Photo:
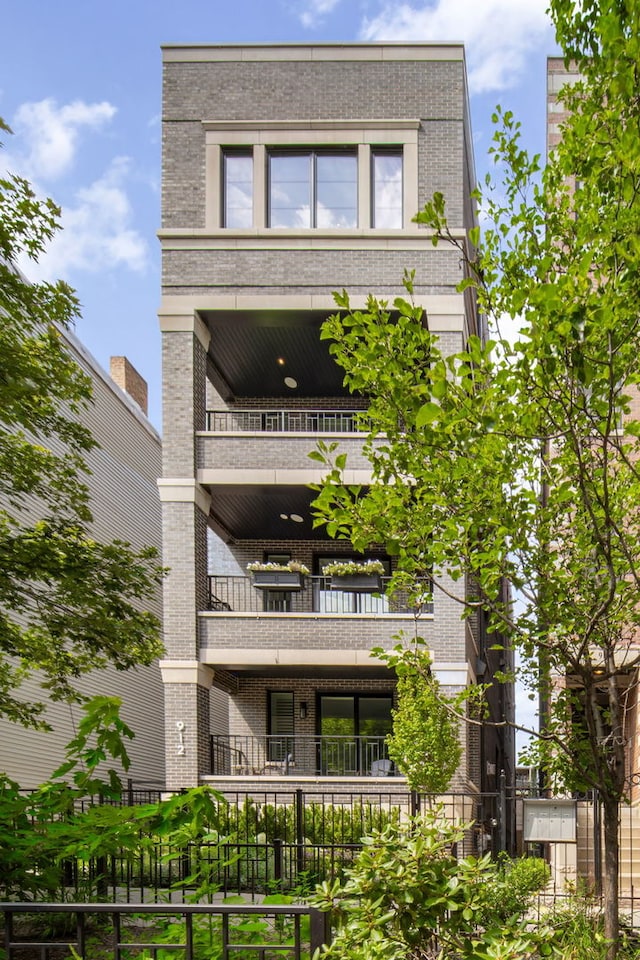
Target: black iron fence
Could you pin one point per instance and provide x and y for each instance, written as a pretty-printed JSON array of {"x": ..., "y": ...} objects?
[
  {"x": 347, "y": 756},
  {"x": 237, "y": 594},
  {"x": 266, "y": 842},
  {"x": 141, "y": 791},
  {"x": 273, "y": 841},
  {"x": 272, "y": 929},
  {"x": 260, "y": 842},
  {"x": 279, "y": 840}
]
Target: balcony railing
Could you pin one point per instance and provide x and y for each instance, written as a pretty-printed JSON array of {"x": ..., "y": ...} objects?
[
  {"x": 238, "y": 595},
  {"x": 286, "y": 421},
  {"x": 280, "y": 755}
]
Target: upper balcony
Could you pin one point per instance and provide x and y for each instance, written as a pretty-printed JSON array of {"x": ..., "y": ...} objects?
[
  {"x": 314, "y": 595},
  {"x": 275, "y": 439},
  {"x": 314, "y": 627}
]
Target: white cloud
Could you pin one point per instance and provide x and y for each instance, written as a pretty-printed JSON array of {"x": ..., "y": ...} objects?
[
  {"x": 48, "y": 134},
  {"x": 497, "y": 34},
  {"x": 97, "y": 234},
  {"x": 312, "y": 12}
]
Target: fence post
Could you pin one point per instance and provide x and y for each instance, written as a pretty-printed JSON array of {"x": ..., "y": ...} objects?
[
  {"x": 277, "y": 859},
  {"x": 320, "y": 929},
  {"x": 80, "y": 935},
  {"x": 502, "y": 812},
  {"x": 69, "y": 872},
  {"x": 299, "y": 831},
  {"x": 102, "y": 881},
  {"x": 415, "y": 803},
  {"x": 102, "y": 884}
]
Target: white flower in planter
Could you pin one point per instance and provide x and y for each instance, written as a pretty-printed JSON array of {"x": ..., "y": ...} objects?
[
  {"x": 354, "y": 568},
  {"x": 293, "y": 566}
]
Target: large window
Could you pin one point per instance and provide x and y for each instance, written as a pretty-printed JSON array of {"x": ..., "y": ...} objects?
[
  {"x": 302, "y": 174},
  {"x": 238, "y": 188},
  {"x": 353, "y": 728},
  {"x": 386, "y": 175},
  {"x": 313, "y": 188}
]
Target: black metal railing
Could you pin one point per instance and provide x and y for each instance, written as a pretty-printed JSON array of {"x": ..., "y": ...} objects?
[
  {"x": 287, "y": 421},
  {"x": 238, "y": 595},
  {"x": 277, "y": 837},
  {"x": 141, "y": 791},
  {"x": 283, "y": 933},
  {"x": 267, "y": 838},
  {"x": 277, "y": 755}
]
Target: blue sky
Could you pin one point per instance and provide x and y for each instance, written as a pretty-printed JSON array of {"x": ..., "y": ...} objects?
[{"x": 80, "y": 85}]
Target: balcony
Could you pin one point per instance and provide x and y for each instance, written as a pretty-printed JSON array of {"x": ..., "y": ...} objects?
[
  {"x": 276, "y": 439},
  {"x": 315, "y": 628},
  {"x": 286, "y": 421},
  {"x": 278, "y": 755},
  {"x": 238, "y": 595}
]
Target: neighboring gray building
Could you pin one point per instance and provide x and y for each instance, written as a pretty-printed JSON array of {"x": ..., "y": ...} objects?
[
  {"x": 125, "y": 506},
  {"x": 290, "y": 172}
]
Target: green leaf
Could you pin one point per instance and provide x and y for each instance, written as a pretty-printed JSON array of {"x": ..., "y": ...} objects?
[{"x": 428, "y": 414}]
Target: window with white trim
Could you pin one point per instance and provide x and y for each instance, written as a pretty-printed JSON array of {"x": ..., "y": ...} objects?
[{"x": 277, "y": 175}]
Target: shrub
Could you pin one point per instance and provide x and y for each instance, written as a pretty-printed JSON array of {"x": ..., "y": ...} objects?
[
  {"x": 514, "y": 888},
  {"x": 407, "y": 897},
  {"x": 576, "y": 932}
]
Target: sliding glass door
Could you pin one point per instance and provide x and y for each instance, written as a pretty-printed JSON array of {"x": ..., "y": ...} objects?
[{"x": 352, "y": 730}]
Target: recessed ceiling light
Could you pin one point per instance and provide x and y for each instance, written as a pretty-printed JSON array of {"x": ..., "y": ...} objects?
[
  {"x": 280, "y": 361},
  {"x": 290, "y": 382},
  {"x": 284, "y": 516},
  {"x": 297, "y": 518}
]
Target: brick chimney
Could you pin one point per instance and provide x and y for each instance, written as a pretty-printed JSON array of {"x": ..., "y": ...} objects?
[{"x": 129, "y": 380}]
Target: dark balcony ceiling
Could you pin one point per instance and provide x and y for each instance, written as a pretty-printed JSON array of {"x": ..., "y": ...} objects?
[
  {"x": 264, "y": 512},
  {"x": 363, "y": 671},
  {"x": 251, "y": 353}
]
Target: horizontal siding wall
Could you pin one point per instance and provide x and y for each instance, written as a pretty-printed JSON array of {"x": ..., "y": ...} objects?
[{"x": 125, "y": 506}]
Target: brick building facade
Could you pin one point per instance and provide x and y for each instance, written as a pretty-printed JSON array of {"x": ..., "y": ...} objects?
[{"x": 290, "y": 172}]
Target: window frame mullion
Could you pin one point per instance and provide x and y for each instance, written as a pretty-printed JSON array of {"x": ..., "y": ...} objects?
[{"x": 313, "y": 155}]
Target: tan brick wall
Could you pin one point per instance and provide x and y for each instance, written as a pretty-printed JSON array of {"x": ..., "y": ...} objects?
[{"x": 422, "y": 84}]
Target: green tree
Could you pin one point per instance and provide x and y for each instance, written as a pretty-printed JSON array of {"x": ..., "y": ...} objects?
[
  {"x": 524, "y": 458},
  {"x": 65, "y": 819},
  {"x": 425, "y": 742},
  {"x": 68, "y": 604}
]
